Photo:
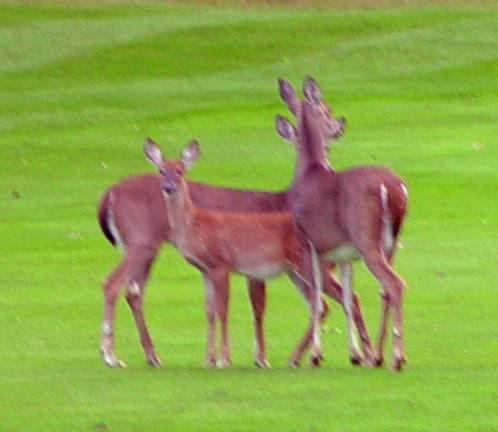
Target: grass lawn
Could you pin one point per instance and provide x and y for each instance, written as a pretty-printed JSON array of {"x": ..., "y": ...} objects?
[{"x": 83, "y": 83}]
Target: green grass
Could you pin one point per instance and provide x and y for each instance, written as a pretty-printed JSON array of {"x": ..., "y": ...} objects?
[{"x": 82, "y": 85}]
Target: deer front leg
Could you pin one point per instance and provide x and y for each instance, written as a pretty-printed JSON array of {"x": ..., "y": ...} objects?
[
  {"x": 354, "y": 353},
  {"x": 210, "y": 309},
  {"x": 257, "y": 295},
  {"x": 315, "y": 306},
  {"x": 309, "y": 283},
  {"x": 220, "y": 280},
  {"x": 295, "y": 359},
  {"x": 334, "y": 290}
]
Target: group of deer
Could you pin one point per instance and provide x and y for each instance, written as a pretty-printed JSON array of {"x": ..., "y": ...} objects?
[{"x": 324, "y": 218}]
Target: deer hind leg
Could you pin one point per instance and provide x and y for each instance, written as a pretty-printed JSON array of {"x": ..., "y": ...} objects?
[
  {"x": 372, "y": 233},
  {"x": 381, "y": 338},
  {"x": 333, "y": 289},
  {"x": 366, "y": 345},
  {"x": 134, "y": 297},
  {"x": 111, "y": 287},
  {"x": 257, "y": 296},
  {"x": 392, "y": 295}
]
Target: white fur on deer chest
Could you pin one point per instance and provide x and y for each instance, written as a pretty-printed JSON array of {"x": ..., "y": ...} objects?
[{"x": 189, "y": 252}]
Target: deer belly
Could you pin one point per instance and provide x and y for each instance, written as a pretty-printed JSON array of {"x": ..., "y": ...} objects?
[
  {"x": 345, "y": 252},
  {"x": 261, "y": 271}
]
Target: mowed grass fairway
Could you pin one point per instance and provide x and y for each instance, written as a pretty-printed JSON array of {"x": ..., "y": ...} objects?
[{"x": 83, "y": 84}]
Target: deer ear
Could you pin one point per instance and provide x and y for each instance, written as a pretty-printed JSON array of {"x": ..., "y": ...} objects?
[
  {"x": 190, "y": 153},
  {"x": 311, "y": 90},
  {"x": 285, "y": 129},
  {"x": 153, "y": 152},
  {"x": 288, "y": 95}
]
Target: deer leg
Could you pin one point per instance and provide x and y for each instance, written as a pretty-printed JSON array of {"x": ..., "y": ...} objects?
[
  {"x": 354, "y": 353},
  {"x": 392, "y": 291},
  {"x": 134, "y": 297},
  {"x": 257, "y": 295},
  {"x": 309, "y": 281},
  {"x": 316, "y": 303},
  {"x": 332, "y": 288},
  {"x": 210, "y": 309},
  {"x": 386, "y": 301},
  {"x": 111, "y": 288},
  {"x": 221, "y": 307},
  {"x": 372, "y": 238},
  {"x": 366, "y": 345},
  {"x": 305, "y": 342},
  {"x": 381, "y": 338}
]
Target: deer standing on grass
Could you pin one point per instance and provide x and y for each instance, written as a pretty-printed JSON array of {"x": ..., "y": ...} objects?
[
  {"x": 346, "y": 215},
  {"x": 132, "y": 214},
  {"x": 256, "y": 245}
]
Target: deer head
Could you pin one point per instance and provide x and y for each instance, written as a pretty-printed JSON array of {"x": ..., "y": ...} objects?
[
  {"x": 172, "y": 172},
  {"x": 331, "y": 128}
]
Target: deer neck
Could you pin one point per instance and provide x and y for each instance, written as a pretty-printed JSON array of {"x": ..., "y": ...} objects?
[
  {"x": 181, "y": 213},
  {"x": 310, "y": 143}
]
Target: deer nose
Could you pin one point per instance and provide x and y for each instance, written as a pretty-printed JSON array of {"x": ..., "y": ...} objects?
[
  {"x": 169, "y": 187},
  {"x": 342, "y": 120}
]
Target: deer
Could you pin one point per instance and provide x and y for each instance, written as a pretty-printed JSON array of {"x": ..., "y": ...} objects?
[
  {"x": 347, "y": 215},
  {"x": 132, "y": 215},
  {"x": 256, "y": 245}
]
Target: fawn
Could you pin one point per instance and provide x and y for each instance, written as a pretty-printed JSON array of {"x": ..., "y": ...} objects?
[{"x": 257, "y": 245}]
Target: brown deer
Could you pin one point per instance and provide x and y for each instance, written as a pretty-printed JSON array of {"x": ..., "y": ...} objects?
[
  {"x": 256, "y": 245},
  {"x": 346, "y": 215},
  {"x": 132, "y": 215}
]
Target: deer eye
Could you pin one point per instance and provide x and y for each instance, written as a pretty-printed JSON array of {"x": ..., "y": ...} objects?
[{"x": 179, "y": 172}]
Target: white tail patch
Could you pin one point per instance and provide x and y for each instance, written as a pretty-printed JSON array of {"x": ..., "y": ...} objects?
[
  {"x": 110, "y": 222},
  {"x": 387, "y": 238},
  {"x": 404, "y": 189}
]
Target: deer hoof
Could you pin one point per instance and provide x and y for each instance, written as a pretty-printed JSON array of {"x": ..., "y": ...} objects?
[
  {"x": 294, "y": 364},
  {"x": 210, "y": 362},
  {"x": 378, "y": 361},
  {"x": 223, "y": 363},
  {"x": 356, "y": 360},
  {"x": 154, "y": 361},
  {"x": 111, "y": 360},
  {"x": 262, "y": 364},
  {"x": 398, "y": 363},
  {"x": 315, "y": 360},
  {"x": 369, "y": 360}
]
